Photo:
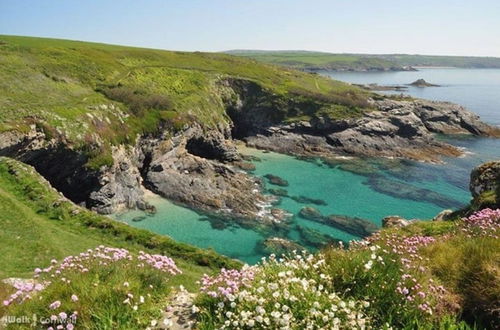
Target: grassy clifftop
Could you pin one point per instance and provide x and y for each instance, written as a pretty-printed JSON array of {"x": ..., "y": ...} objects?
[
  {"x": 89, "y": 91},
  {"x": 363, "y": 62}
]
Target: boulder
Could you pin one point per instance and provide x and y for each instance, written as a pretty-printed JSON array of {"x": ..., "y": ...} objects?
[
  {"x": 394, "y": 221},
  {"x": 443, "y": 215},
  {"x": 485, "y": 185}
]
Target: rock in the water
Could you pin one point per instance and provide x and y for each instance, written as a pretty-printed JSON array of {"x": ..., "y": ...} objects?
[
  {"x": 485, "y": 185},
  {"x": 276, "y": 180},
  {"x": 353, "y": 225},
  {"x": 279, "y": 246},
  {"x": 310, "y": 213},
  {"x": 407, "y": 191},
  {"x": 394, "y": 221},
  {"x": 307, "y": 200},
  {"x": 422, "y": 83},
  {"x": 278, "y": 192},
  {"x": 317, "y": 239},
  {"x": 139, "y": 218}
]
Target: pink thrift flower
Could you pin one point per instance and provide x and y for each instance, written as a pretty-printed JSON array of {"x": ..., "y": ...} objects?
[
  {"x": 74, "y": 297},
  {"x": 55, "y": 304}
]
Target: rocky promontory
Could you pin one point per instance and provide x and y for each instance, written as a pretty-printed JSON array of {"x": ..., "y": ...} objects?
[{"x": 395, "y": 128}]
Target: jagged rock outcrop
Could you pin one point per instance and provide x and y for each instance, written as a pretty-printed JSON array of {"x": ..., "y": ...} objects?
[
  {"x": 121, "y": 185},
  {"x": 485, "y": 185},
  {"x": 403, "y": 129},
  {"x": 205, "y": 184}
]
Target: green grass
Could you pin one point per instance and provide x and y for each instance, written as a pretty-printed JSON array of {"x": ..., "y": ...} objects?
[{"x": 361, "y": 62}]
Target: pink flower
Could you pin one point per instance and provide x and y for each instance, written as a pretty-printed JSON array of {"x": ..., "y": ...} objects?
[
  {"x": 74, "y": 297},
  {"x": 55, "y": 304}
]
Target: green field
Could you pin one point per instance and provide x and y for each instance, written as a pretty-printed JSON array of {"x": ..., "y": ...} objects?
[{"x": 307, "y": 60}]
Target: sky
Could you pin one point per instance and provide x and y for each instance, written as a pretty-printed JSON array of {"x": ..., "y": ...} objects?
[{"x": 438, "y": 27}]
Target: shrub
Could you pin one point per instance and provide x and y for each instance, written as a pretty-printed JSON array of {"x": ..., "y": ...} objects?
[{"x": 137, "y": 101}]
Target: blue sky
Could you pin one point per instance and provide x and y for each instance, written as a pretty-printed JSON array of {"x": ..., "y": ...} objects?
[{"x": 442, "y": 27}]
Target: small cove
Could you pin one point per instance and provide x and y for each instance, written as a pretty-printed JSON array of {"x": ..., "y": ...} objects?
[{"x": 346, "y": 192}]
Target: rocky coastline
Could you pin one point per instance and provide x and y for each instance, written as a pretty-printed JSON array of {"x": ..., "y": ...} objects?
[{"x": 200, "y": 167}]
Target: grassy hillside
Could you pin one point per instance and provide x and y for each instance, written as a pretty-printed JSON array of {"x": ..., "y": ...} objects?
[
  {"x": 361, "y": 62},
  {"x": 306, "y": 60},
  {"x": 89, "y": 93}
]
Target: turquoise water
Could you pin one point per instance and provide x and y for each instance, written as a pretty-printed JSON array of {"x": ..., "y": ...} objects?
[{"x": 345, "y": 192}]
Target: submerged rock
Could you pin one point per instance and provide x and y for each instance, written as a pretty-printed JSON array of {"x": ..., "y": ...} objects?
[
  {"x": 353, "y": 225},
  {"x": 317, "y": 239},
  {"x": 279, "y": 246},
  {"x": 306, "y": 200},
  {"x": 278, "y": 192},
  {"x": 276, "y": 180},
  {"x": 407, "y": 191},
  {"x": 139, "y": 218}
]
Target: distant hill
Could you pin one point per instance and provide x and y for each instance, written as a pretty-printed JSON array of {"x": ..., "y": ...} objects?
[{"x": 307, "y": 60}]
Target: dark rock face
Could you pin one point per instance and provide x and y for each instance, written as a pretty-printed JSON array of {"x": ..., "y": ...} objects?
[
  {"x": 356, "y": 226},
  {"x": 485, "y": 185},
  {"x": 212, "y": 145}
]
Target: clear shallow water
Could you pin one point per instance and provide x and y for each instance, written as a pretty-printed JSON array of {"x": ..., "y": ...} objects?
[{"x": 345, "y": 192}]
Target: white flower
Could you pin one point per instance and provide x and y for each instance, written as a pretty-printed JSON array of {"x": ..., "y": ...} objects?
[
  {"x": 141, "y": 299},
  {"x": 135, "y": 307},
  {"x": 369, "y": 265},
  {"x": 154, "y": 323}
]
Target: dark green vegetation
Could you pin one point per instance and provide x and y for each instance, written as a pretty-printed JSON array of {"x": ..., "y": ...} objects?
[
  {"x": 94, "y": 96},
  {"x": 363, "y": 62},
  {"x": 38, "y": 224}
]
